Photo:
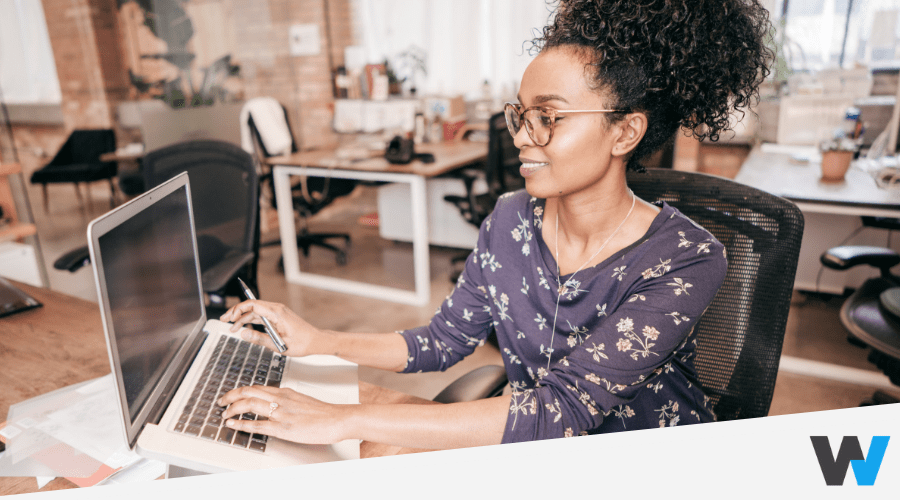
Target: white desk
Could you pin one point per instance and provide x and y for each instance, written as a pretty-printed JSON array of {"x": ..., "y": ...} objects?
[
  {"x": 448, "y": 156},
  {"x": 832, "y": 212}
]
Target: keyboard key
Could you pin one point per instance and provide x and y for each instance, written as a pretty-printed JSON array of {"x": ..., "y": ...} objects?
[
  {"x": 198, "y": 420},
  {"x": 210, "y": 432},
  {"x": 179, "y": 426},
  {"x": 257, "y": 445},
  {"x": 241, "y": 439},
  {"x": 193, "y": 430},
  {"x": 226, "y": 435}
]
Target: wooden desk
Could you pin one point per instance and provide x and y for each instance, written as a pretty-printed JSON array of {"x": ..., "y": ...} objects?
[
  {"x": 324, "y": 163},
  {"x": 62, "y": 343}
]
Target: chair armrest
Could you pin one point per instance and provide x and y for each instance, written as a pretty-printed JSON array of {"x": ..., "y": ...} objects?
[
  {"x": 480, "y": 383},
  {"x": 73, "y": 260},
  {"x": 845, "y": 257},
  {"x": 215, "y": 278}
]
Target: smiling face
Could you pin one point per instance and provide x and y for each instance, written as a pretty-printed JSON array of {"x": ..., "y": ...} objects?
[{"x": 585, "y": 152}]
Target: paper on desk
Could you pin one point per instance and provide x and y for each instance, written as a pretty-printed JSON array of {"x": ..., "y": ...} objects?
[
  {"x": 144, "y": 470},
  {"x": 92, "y": 425},
  {"x": 70, "y": 433}
]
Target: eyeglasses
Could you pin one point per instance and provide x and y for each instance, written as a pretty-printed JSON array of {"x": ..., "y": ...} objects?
[{"x": 539, "y": 121}]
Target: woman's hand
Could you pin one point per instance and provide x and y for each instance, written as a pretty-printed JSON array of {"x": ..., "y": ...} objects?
[
  {"x": 299, "y": 336},
  {"x": 285, "y": 414}
]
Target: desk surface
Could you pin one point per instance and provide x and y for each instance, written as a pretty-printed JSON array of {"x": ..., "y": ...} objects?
[
  {"x": 773, "y": 171},
  {"x": 62, "y": 343},
  {"x": 448, "y": 156}
]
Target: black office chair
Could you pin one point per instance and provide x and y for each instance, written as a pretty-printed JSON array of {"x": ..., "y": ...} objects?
[
  {"x": 225, "y": 200},
  {"x": 78, "y": 161},
  {"x": 310, "y": 196},
  {"x": 871, "y": 314},
  {"x": 501, "y": 173},
  {"x": 500, "y": 170},
  {"x": 739, "y": 338}
]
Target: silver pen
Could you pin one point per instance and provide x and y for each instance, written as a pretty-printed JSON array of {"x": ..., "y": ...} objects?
[{"x": 269, "y": 328}]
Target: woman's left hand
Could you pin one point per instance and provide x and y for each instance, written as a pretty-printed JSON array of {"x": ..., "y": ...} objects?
[{"x": 295, "y": 417}]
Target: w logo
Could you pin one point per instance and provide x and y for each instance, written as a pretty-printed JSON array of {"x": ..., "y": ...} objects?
[{"x": 835, "y": 468}]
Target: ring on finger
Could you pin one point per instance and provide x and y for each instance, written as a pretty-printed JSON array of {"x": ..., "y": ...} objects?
[{"x": 272, "y": 407}]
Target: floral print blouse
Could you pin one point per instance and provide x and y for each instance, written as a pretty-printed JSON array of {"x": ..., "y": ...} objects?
[{"x": 621, "y": 355}]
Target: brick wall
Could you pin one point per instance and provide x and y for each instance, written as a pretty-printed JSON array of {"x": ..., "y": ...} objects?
[
  {"x": 86, "y": 46},
  {"x": 93, "y": 54},
  {"x": 301, "y": 83}
]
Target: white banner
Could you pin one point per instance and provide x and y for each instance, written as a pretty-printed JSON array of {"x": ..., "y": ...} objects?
[{"x": 773, "y": 456}]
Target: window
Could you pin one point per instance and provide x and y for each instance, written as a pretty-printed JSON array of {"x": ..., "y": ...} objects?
[
  {"x": 819, "y": 35},
  {"x": 27, "y": 68},
  {"x": 466, "y": 42}
]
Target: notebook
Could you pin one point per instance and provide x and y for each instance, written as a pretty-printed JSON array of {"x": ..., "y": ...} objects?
[{"x": 164, "y": 351}]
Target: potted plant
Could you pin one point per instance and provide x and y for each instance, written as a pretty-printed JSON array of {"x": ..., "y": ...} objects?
[{"x": 837, "y": 153}]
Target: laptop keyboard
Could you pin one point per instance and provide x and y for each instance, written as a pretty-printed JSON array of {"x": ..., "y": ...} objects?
[{"x": 234, "y": 363}]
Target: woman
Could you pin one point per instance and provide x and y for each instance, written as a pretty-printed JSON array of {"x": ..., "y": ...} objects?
[{"x": 592, "y": 292}]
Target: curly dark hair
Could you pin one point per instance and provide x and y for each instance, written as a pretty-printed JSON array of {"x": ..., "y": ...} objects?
[{"x": 685, "y": 63}]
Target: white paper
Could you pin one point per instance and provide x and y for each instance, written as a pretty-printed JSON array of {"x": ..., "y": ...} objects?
[
  {"x": 122, "y": 458},
  {"x": 9, "y": 432},
  {"x": 92, "y": 425},
  {"x": 144, "y": 470},
  {"x": 26, "y": 423},
  {"x": 43, "y": 480}
]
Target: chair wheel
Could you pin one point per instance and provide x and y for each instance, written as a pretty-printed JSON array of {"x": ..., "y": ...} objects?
[{"x": 341, "y": 258}]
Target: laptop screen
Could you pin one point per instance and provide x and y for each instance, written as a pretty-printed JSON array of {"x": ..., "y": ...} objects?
[{"x": 154, "y": 296}]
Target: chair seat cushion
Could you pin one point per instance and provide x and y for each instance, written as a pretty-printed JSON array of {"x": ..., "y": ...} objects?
[
  {"x": 866, "y": 319},
  {"x": 76, "y": 172},
  {"x": 890, "y": 300}
]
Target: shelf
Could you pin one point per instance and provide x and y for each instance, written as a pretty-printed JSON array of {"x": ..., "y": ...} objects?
[{"x": 16, "y": 231}]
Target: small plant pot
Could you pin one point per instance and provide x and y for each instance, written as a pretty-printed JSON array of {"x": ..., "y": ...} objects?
[{"x": 835, "y": 165}]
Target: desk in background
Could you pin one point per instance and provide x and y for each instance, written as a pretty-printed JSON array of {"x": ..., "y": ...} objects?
[
  {"x": 62, "y": 344},
  {"x": 832, "y": 211},
  {"x": 323, "y": 163}
]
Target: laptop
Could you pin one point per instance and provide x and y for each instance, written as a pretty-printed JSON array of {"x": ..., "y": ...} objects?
[{"x": 170, "y": 362}]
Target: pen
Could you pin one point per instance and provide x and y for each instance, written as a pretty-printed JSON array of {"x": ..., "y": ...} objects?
[{"x": 269, "y": 329}]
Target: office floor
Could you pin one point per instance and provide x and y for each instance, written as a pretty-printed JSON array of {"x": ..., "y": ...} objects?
[{"x": 813, "y": 332}]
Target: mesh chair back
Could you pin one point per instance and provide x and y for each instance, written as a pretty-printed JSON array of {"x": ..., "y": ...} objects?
[
  {"x": 224, "y": 193},
  {"x": 739, "y": 338}
]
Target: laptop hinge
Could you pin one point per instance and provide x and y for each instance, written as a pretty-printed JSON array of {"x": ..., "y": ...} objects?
[{"x": 165, "y": 398}]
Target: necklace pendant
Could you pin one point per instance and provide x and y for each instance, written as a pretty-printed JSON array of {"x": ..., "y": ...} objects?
[{"x": 561, "y": 290}]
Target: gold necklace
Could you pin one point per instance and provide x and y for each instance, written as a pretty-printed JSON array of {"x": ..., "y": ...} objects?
[{"x": 562, "y": 288}]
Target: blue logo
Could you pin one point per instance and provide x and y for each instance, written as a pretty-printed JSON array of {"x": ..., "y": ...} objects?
[{"x": 865, "y": 468}]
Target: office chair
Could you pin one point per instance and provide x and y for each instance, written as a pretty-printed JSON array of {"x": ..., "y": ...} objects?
[
  {"x": 78, "y": 160},
  {"x": 871, "y": 314},
  {"x": 312, "y": 194},
  {"x": 739, "y": 338},
  {"x": 225, "y": 200},
  {"x": 501, "y": 172}
]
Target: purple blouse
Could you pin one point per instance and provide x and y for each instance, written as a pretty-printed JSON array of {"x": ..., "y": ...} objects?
[{"x": 621, "y": 355}]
